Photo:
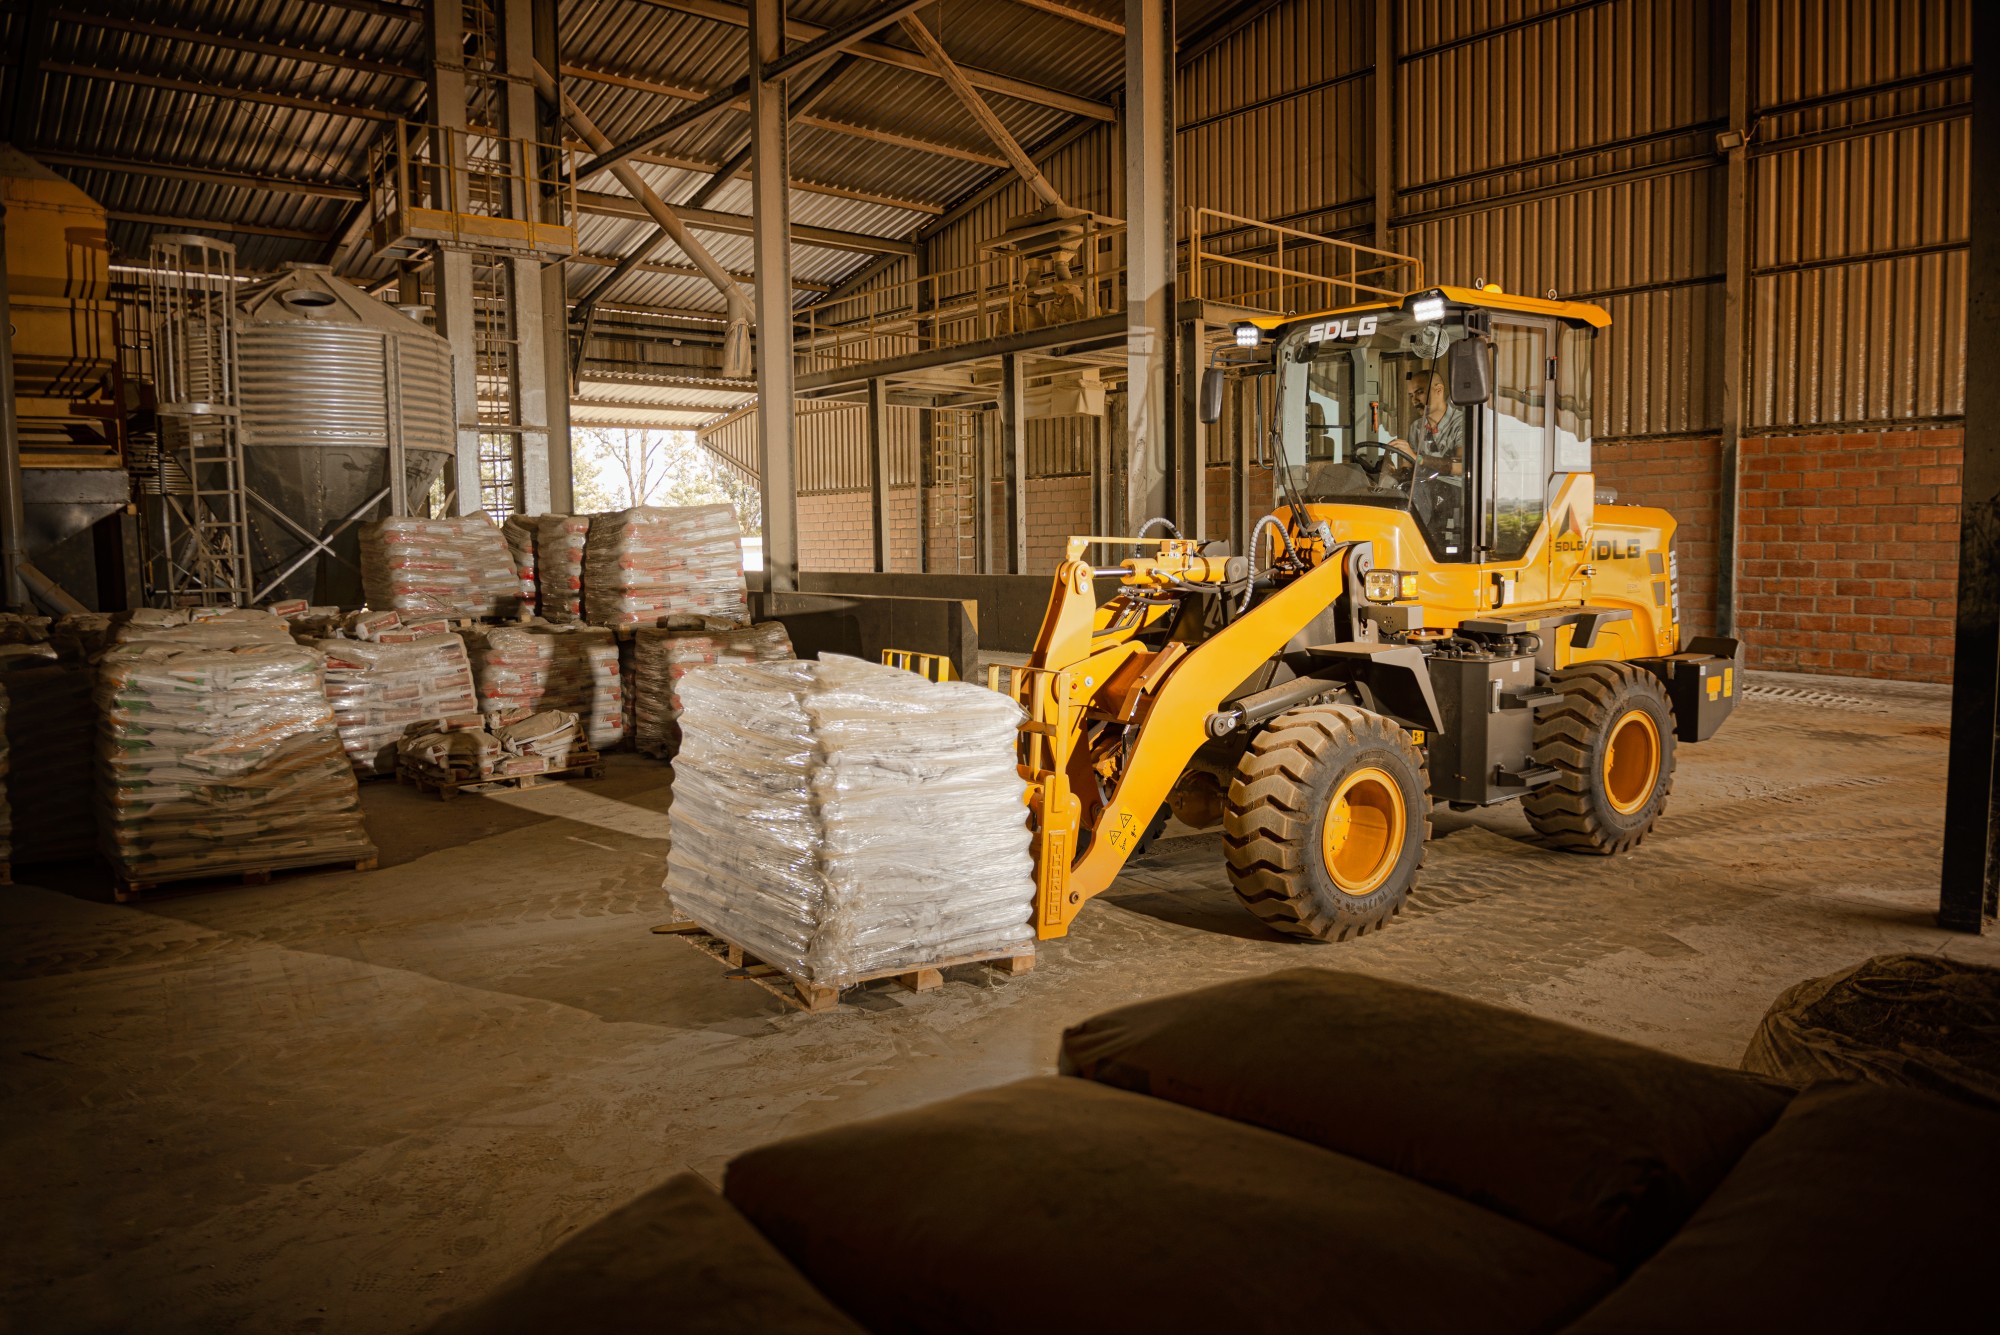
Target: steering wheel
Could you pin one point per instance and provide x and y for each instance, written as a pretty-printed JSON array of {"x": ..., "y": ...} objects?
[{"x": 1372, "y": 455}]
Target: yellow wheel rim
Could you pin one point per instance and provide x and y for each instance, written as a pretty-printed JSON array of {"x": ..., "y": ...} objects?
[
  {"x": 1362, "y": 836},
  {"x": 1631, "y": 761}
]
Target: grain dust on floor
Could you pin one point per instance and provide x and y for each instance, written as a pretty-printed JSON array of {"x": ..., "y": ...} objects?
[{"x": 345, "y": 1103}]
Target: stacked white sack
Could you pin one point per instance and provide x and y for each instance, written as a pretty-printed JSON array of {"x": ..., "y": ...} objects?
[
  {"x": 219, "y": 760},
  {"x": 559, "y": 549},
  {"x": 453, "y": 567},
  {"x": 536, "y": 666},
  {"x": 645, "y": 564},
  {"x": 519, "y": 532},
  {"x": 841, "y": 819},
  {"x": 662, "y": 656},
  {"x": 379, "y": 691}
]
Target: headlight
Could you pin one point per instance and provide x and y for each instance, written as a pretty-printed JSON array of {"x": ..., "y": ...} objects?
[
  {"x": 1388, "y": 586},
  {"x": 1430, "y": 308},
  {"x": 1248, "y": 336}
]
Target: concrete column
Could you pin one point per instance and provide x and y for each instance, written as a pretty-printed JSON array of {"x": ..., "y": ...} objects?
[
  {"x": 1385, "y": 120},
  {"x": 451, "y": 278},
  {"x": 1014, "y": 459},
  {"x": 1149, "y": 253},
  {"x": 1735, "y": 305},
  {"x": 555, "y": 294},
  {"x": 1969, "y": 890},
  {"x": 878, "y": 468},
  {"x": 530, "y": 369},
  {"x": 770, "y": 167}
]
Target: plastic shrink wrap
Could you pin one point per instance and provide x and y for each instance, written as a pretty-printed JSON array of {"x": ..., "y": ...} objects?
[
  {"x": 519, "y": 531},
  {"x": 841, "y": 819},
  {"x": 380, "y": 691},
  {"x": 450, "y": 567},
  {"x": 213, "y": 761},
  {"x": 202, "y": 627},
  {"x": 48, "y": 729},
  {"x": 559, "y": 548},
  {"x": 661, "y": 656},
  {"x": 536, "y": 666},
  {"x": 499, "y": 745},
  {"x": 648, "y": 563}
]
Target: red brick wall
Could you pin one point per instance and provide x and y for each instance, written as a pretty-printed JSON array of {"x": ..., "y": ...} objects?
[
  {"x": 836, "y": 531},
  {"x": 1057, "y": 508},
  {"x": 1684, "y": 478},
  {"x": 1848, "y": 551}
]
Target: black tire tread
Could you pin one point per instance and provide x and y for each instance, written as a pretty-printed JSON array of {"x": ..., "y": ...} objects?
[
  {"x": 1563, "y": 811},
  {"x": 1268, "y": 828}
]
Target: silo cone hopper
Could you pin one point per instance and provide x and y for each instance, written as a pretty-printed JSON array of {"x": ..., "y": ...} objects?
[{"x": 334, "y": 386}]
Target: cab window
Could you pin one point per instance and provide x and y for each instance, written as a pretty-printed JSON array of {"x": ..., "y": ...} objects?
[
  {"x": 1573, "y": 424},
  {"x": 1517, "y": 452}
]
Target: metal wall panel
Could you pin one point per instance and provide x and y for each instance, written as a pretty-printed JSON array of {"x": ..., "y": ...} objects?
[{"x": 1812, "y": 48}]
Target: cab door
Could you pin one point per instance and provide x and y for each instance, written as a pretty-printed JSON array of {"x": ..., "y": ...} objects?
[{"x": 1515, "y": 462}]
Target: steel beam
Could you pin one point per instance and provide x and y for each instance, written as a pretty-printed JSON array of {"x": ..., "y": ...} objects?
[
  {"x": 1149, "y": 254},
  {"x": 353, "y": 194},
  {"x": 235, "y": 92},
  {"x": 1013, "y": 422},
  {"x": 451, "y": 273},
  {"x": 729, "y": 11},
  {"x": 801, "y": 102},
  {"x": 1734, "y": 142},
  {"x": 741, "y": 224},
  {"x": 219, "y": 225},
  {"x": 1385, "y": 120},
  {"x": 1969, "y": 878},
  {"x": 878, "y": 469},
  {"x": 1076, "y": 15},
  {"x": 305, "y": 55},
  {"x": 777, "y": 444},
  {"x": 969, "y": 97},
  {"x": 530, "y": 368}
]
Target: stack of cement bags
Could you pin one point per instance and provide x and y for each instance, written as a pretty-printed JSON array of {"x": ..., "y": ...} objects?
[
  {"x": 645, "y": 564},
  {"x": 202, "y": 627},
  {"x": 559, "y": 547},
  {"x": 501, "y": 745},
  {"x": 380, "y": 691},
  {"x": 49, "y": 721},
  {"x": 843, "y": 820},
  {"x": 447, "y": 567},
  {"x": 661, "y": 656},
  {"x": 519, "y": 531},
  {"x": 536, "y": 666},
  {"x": 220, "y": 759}
]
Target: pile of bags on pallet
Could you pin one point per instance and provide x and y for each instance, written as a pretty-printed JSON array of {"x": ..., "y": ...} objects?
[
  {"x": 559, "y": 548},
  {"x": 380, "y": 690},
  {"x": 842, "y": 820},
  {"x": 519, "y": 531},
  {"x": 217, "y": 751},
  {"x": 447, "y": 567},
  {"x": 503, "y": 744},
  {"x": 648, "y": 563},
  {"x": 535, "y": 666},
  {"x": 662, "y": 655}
]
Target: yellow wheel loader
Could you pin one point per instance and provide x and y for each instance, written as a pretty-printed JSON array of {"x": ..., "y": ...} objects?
[{"x": 1442, "y": 608}]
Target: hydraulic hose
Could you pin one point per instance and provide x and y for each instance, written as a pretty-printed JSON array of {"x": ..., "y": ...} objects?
[
  {"x": 1161, "y": 520},
  {"x": 1250, "y": 585}
]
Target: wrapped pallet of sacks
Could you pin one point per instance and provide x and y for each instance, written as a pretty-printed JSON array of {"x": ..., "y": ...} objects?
[
  {"x": 49, "y": 722},
  {"x": 648, "y": 563},
  {"x": 560, "y": 542},
  {"x": 843, "y": 820},
  {"x": 519, "y": 531},
  {"x": 507, "y": 744},
  {"x": 82, "y": 636},
  {"x": 661, "y": 656},
  {"x": 446, "y": 567},
  {"x": 214, "y": 761},
  {"x": 201, "y": 627},
  {"x": 535, "y": 666},
  {"x": 380, "y": 691}
]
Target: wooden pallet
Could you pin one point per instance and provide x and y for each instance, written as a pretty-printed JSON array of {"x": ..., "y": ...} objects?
[
  {"x": 809, "y": 996},
  {"x": 583, "y": 765},
  {"x": 126, "y": 888}
]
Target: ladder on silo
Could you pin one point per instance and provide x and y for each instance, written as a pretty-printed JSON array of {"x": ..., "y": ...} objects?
[
  {"x": 191, "y": 311},
  {"x": 955, "y": 480}
]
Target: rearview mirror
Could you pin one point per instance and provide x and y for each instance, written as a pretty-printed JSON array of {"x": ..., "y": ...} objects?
[
  {"x": 1471, "y": 372},
  {"x": 1211, "y": 394}
]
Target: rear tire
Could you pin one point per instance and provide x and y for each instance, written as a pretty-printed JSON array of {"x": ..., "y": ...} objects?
[
  {"x": 1611, "y": 743},
  {"x": 1325, "y": 822}
]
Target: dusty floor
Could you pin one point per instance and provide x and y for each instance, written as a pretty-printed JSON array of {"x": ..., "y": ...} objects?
[{"x": 345, "y": 1103}]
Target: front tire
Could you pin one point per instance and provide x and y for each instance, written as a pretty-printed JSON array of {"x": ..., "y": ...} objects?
[
  {"x": 1611, "y": 742},
  {"x": 1325, "y": 822}
]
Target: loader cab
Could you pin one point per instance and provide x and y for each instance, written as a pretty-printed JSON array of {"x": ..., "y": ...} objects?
[{"x": 1467, "y": 410}]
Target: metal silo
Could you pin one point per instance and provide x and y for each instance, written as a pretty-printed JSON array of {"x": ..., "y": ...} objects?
[{"x": 334, "y": 385}]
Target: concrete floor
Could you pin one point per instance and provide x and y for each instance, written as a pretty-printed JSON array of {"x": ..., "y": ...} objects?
[{"x": 349, "y": 1102}]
